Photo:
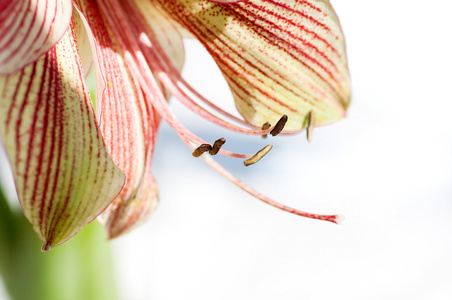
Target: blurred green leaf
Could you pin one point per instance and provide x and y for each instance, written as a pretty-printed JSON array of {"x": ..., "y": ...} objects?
[{"x": 80, "y": 269}]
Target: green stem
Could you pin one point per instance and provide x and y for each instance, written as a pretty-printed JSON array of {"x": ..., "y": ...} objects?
[{"x": 79, "y": 269}]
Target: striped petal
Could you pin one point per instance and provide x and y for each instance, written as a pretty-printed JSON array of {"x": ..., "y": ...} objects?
[
  {"x": 159, "y": 26},
  {"x": 28, "y": 29},
  {"x": 84, "y": 42},
  {"x": 227, "y": 1},
  {"x": 278, "y": 56},
  {"x": 129, "y": 126},
  {"x": 63, "y": 173},
  {"x": 164, "y": 30}
]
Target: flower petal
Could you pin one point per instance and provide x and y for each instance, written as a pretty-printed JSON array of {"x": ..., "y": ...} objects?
[
  {"x": 84, "y": 41},
  {"x": 227, "y": 1},
  {"x": 28, "y": 29},
  {"x": 128, "y": 124},
  {"x": 165, "y": 31},
  {"x": 122, "y": 216},
  {"x": 279, "y": 57},
  {"x": 63, "y": 173}
]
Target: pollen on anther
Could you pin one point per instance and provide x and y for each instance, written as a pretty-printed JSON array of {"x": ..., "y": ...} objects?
[
  {"x": 201, "y": 149},
  {"x": 266, "y": 126},
  {"x": 279, "y": 126},
  {"x": 217, "y": 146},
  {"x": 258, "y": 156}
]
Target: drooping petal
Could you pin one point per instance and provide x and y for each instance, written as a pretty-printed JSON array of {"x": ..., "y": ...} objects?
[
  {"x": 63, "y": 173},
  {"x": 279, "y": 57},
  {"x": 129, "y": 126},
  {"x": 28, "y": 28}
]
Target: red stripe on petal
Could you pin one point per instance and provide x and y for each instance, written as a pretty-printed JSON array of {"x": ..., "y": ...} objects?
[
  {"x": 63, "y": 173},
  {"x": 286, "y": 56},
  {"x": 127, "y": 123},
  {"x": 30, "y": 28}
]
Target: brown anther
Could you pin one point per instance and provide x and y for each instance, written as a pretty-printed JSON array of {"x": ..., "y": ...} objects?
[
  {"x": 201, "y": 149},
  {"x": 257, "y": 157},
  {"x": 217, "y": 146},
  {"x": 279, "y": 126},
  {"x": 265, "y": 127},
  {"x": 311, "y": 124}
]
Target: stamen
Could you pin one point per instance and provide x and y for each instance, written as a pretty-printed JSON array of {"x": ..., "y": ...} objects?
[
  {"x": 201, "y": 149},
  {"x": 139, "y": 64},
  {"x": 311, "y": 124},
  {"x": 265, "y": 127},
  {"x": 216, "y": 146},
  {"x": 217, "y": 167},
  {"x": 279, "y": 126},
  {"x": 166, "y": 72},
  {"x": 180, "y": 95},
  {"x": 141, "y": 72},
  {"x": 175, "y": 74},
  {"x": 258, "y": 156}
]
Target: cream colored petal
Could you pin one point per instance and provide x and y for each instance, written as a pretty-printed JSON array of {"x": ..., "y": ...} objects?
[
  {"x": 84, "y": 41},
  {"x": 278, "y": 56},
  {"x": 63, "y": 173},
  {"x": 128, "y": 124},
  {"x": 28, "y": 29},
  {"x": 165, "y": 31},
  {"x": 122, "y": 216}
]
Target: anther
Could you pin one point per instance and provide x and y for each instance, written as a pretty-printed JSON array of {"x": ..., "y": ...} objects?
[
  {"x": 258, "y": 156},
  {"x": 265, "y": 127},
  {"x": 217, "y": 146},
  {"x": 201, "y": 149},
  {"x": 279, "y": 126},
  {"x": 311, "y": 124}
]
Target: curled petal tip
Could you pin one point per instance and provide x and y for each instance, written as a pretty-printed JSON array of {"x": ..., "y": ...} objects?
[{"x": 46, "y": 247}]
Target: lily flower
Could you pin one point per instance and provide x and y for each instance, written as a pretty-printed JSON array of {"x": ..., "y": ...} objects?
[{"x": 72, "y": 161}]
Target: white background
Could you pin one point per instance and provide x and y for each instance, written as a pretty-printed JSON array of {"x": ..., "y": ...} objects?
[{"x": 387, "y": 167}]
